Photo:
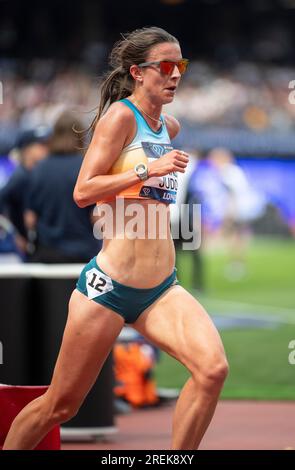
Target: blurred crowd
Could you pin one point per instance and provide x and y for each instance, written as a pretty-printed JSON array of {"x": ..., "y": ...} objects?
[
  {"x": 247, "y": 96},
  {"x": 38, "y": 94}
]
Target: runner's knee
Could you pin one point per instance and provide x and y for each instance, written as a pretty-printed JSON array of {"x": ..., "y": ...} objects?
[
  {"x": 212, "y": 374},
  {"x": 208, "y": 370}
]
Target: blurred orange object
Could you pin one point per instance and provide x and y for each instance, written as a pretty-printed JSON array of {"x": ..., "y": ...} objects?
[
  {"x": 12, "y": 400},
  {"x": 133, "y": 367}
]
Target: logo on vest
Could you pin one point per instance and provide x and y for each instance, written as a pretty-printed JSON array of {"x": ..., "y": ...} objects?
[
  {"x": 146, "y": 191},
  {"x": 158, "y": 149}
]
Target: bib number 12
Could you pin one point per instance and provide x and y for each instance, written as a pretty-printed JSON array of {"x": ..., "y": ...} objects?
[{"x": 98, "y": 283}]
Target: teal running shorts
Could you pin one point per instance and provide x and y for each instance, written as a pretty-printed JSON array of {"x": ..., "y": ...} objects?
[{"x": 129, "y": 302}]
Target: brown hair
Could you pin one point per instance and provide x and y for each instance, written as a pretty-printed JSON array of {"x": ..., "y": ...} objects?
[
  {"x": 132, "y": 49},
  {"x": 64, "y": 139}
]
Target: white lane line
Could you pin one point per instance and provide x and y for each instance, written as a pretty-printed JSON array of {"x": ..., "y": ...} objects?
[{"x": 268, "y": 312}]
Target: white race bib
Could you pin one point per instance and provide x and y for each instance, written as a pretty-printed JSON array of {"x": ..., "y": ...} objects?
[{"x": 97, "y": 283}]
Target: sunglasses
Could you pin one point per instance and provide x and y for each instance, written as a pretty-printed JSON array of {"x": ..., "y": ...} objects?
[{"x": 167, "y": 66}]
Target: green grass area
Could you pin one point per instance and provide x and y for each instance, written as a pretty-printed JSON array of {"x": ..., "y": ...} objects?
[
  {"x": 259, "y": 366},
  {"x": 269, "y": 277}
]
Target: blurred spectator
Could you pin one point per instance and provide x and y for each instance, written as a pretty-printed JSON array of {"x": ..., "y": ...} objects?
[
  {"x": 242, "y": 206},
  {"x": 183, "y": 198},
  {"x": 64, "y": 231},
  {"x": 31, "y": 148},
  {"x": 9, "y": 252},
  {"x": 205, "y": 188},
  {"x": 244, "y": 203}
]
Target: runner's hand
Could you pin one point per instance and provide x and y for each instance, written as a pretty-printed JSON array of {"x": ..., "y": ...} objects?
[{"x": 176, "y": 160}]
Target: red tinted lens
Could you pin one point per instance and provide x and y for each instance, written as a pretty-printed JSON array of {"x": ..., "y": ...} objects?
[{"x": 167, "y": 67}]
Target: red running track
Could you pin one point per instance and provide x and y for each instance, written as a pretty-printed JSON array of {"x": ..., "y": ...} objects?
[{"x": 236, "y": 425}]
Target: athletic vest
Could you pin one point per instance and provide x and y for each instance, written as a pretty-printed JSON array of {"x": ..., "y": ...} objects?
[{"x": 146, "y": 147}]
